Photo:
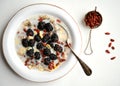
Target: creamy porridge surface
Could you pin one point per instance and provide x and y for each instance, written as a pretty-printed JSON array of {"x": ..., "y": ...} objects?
[{"x": 41, "y": 43}]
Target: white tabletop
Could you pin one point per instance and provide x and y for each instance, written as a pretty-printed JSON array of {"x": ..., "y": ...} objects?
[{"x": 106, "y": 72}]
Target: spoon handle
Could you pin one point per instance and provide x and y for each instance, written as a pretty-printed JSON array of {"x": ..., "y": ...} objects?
[
  {"x": 88, "y": 50},
  {"x": 85, "y": 67}
]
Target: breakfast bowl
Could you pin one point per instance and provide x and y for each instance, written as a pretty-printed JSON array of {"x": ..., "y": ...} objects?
[{"x": 32, "y": 46}]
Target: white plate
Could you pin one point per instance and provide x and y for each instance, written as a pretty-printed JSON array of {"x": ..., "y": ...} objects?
[{"x": 9, "y": 43}]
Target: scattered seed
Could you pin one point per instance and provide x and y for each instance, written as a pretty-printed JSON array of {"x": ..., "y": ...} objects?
[
  {"x": 26, "y": 62},
  {"x": 37, "y": 30},
  {"x": 58, "y": 42},
  {"x": 24, "y": 30},
  {"x": 107, "y": 51},
  {"x": 62, "y": 43},
  {"x": 57, "y": 63},
  {"x": 58, "y": 20},
  {"x": 107, "y": 33},
  {"x": 112, "y": 58},
  {"x": 113, "y": 48},
  {"x": 51, "y": 65},
  {"x": 110, "y": 44},
  {"x": 112, "y": 40},
  {"x": 57, "y": 53},
  {"x": 40, "y": 19},
  {"x": 62, "y": 60},
  {"x": 63, "y": 54}
]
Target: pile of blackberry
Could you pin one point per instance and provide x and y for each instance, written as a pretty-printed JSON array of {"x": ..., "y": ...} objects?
[{"x": 39, "y": 42}]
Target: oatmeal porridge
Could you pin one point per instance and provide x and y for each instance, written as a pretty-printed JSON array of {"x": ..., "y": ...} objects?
[{"x": 41, "y": 44}]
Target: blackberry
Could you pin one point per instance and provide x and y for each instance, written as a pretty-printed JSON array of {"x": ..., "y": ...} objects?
[
  {"x": 31, "y": 42},
  {"x": 41, "y": 25},
  {"x": 37, "y": 38},
  {"x": 29, "y": 32},
  {"x": 46, "y": 52},
  {"x": 54, "y": 37},
  {"x": 30, "y": 52},
  {"x": 51, "y": 43},
  {"x": 37, "y": 55},
  {"x": 53, "y": 56},
  {"x": 47, "y": 61},
  {"x": 25, "y": 42},
  {"x": 48, "y": 27},
  {"x": 58, "y": 48},
  {"x": 45, "y": 38},
  {"x": 39, "y": 46}
]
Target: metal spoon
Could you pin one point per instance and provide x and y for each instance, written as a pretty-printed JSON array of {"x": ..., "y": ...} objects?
[
  {"x": 93, "y": 19},
  {"x": 85, "y": 67}
]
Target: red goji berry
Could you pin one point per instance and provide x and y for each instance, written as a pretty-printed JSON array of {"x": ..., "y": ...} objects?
[
  {"x": 112, "y": 40},
  {"x": 112, "y": 47},
  {"x": 110, "y": 44},
  {"x": 112, "y": 58},
  {"x": 107, "y": 33},
  {"x": 107, "y": 51}
]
